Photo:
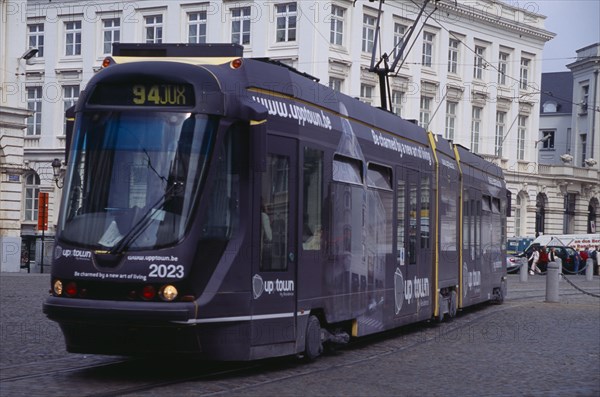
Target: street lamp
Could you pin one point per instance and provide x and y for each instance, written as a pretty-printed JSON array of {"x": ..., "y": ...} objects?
[{"x": 59, "y": 173}]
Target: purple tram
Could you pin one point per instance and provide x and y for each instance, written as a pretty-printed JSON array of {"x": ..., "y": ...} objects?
[{"x": 236, "y": 209}]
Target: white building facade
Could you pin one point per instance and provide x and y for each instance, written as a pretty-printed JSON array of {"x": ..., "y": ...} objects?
[
  {"x": 13, "y": 114},
  {"x": 471, "y": 70},
  {"x": 570, "y": 151}
]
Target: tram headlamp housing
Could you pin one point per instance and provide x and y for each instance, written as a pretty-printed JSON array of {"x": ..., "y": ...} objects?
[
  {"x": 168, "y": 293},
  {"x": 57, "y": 287}
]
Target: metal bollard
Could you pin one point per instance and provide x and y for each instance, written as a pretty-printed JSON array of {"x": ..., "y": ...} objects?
[
  {"x": 552, "y": 276},
  {"x": 589, "y": 269},
  {"x": 560, "y": 269},
  {"x": 523, "y": 271}
]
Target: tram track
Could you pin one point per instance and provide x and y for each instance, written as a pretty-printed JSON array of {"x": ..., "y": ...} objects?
[
  {"x": 35, "y": 365},
  {"x": 136, "y": 376}
]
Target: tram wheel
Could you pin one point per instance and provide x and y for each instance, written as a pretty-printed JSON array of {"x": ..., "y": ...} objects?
[{"x": 314, "y": 345}]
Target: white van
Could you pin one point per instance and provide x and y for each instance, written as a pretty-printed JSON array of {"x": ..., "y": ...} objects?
[{"x": 576, "y": 241}]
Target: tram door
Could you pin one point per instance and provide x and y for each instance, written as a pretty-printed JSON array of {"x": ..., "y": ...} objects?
[
  {"x": 274, "y": 280},
  {"x": 407, "y": 240},
  {"x": 472, "y": 255}
]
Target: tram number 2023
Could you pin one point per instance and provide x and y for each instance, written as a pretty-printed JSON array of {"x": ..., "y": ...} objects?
[{"x": 166, "y": 271}]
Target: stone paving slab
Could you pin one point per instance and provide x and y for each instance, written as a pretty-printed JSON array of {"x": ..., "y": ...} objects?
[{"x": 524, "y": 347}]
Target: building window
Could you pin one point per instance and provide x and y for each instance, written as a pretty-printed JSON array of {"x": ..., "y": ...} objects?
[
  {"x": 425, "y": 111},
  {"x": 32, "y": 191},
  {"x": 519, "y": 211},
  {"x": 524, "y": 81},
  {"x": 548, "y": 140},
  {"x": 500, "y": 127},
  {"x": 397, "y": 97},
  {"x": 153, "y": 28},
  {"x": 73, "y": 38},
  {"x": 521, "y": 133},
  {"x": 240, "y": 25},
  {"x": 111, "y": 33},
  {"x": 196, "y": 27},
  {"x": 585, "y": 93},
  {"x": 475, "y": 128},
  {"x": 368, "y": 33},
  {"x": 336, "y": 84},
  {"x": 450, "y": 120},
  {"x": 540, "y": 214},
  {"x": 583, "y": 145},
  {"x": 453, "y": 56},
  {"x": 399, "y": 31},
  {"x": 427, "y": 57},
  {"x": 35, "y": 33},
  {"x": 34, "y": 104},
  {"x": 336, "y": 35},
  {"x": 478, "y": 62},
  {"x": 286, "y": 22},
  {"x": 592, "y": 215},
  {"x": 70, "y": 96},
  {"x": 502, "y": 67},
  {"x": 366, "y": 93},
  {"x": 569, "y": 222}
]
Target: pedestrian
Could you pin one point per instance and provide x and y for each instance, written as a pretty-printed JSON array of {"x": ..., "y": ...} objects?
[
  {"x": 584, "y": 257},
  {"x": 543, "y": 260},
  {"x": 533, "y": 260},
  {"x": 552, "y": 255},
  {"x": 576, "y": 260},
  {"x": 594, "y": 256}
]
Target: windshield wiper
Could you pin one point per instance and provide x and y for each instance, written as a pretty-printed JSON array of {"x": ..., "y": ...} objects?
[{"x": 144, "y": 221}]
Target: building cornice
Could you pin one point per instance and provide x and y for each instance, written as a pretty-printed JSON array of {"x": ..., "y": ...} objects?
[{"x": 496, "y": 20}]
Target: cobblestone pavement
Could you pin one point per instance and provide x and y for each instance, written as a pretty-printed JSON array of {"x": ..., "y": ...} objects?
[{"x": 524, "y": 347}]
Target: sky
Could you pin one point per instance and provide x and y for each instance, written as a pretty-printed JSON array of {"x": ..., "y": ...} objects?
[{"x": 576, "y": 24}]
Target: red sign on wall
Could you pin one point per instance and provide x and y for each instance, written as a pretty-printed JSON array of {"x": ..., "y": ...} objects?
[{"x": 42, "y": 211}]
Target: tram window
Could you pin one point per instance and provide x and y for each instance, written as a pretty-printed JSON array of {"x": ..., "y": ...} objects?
[
  {"x": 425, "y": 206},
  {"x": 347, "y": 169},
  {"x": 221, "y": 221},
  {"x": 412, "y": 227},
  {"x": 486, "y": 204},
  {"x": 466, "y": 224},
  {"x": 275, "y": 214},
  {"x": 379, "y": 176},
  {"x": 495, "y": 205},
  {"x": 448, "y": 214},
  {"x": 313, "y": 199},
  {"x": 401, "y": 205}
]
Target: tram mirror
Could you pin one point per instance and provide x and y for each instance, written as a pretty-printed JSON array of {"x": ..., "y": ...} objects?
[{"x": 258, "y": 136}]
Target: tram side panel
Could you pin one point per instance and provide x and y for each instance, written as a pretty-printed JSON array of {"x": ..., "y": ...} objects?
[{"x": 483, "y": 270}]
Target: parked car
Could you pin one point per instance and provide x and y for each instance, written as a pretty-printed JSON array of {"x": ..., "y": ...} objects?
[{"x": 513, "y": 263}]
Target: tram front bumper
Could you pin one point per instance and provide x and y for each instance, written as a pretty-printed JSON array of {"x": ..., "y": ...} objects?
[{"x": 109, "y": 311}]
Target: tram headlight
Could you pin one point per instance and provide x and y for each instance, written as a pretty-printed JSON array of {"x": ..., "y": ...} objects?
[
  {"x": 57, "y": 287},
  {"x": 168, "y": 292}
]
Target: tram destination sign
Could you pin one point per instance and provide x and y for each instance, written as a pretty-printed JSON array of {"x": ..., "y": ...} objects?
[{"x": 143, "y": 94}]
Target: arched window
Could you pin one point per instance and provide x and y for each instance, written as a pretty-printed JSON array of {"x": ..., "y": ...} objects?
[
  {"x": 592, "y": 223},
  {"x": 540, "y": 213},
  {"x": 32, "y": 190}
]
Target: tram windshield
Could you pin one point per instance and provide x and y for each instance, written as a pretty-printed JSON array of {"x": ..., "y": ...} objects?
[{"x": 134, "y": 177}]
